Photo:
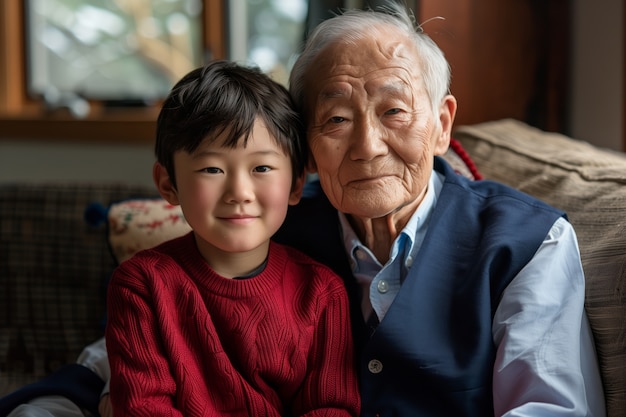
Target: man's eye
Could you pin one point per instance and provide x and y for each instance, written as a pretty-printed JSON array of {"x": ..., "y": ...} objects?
[
  {"x": 336, "y": 119},
  {"x": 393, "y": 111},
  {"x": 262, "y": 168}
]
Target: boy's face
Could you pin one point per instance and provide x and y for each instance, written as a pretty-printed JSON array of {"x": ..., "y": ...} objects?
[{"x": 235, "y": 199}]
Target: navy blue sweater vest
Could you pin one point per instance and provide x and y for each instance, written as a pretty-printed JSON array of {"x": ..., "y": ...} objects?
[{"x": 433, "y": 353}]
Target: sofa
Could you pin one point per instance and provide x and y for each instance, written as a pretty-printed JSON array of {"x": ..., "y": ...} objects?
[{"x": 59, "y": 243}]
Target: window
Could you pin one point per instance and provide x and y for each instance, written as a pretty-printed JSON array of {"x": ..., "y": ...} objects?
[
  {"x": 24, "y": 116},
  {"x": 263, "y": 32},
  {"x": 119, "y": 52}
]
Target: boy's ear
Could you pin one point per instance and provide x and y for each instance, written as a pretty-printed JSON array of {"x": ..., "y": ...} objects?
[
  {"x": 164, "y": 184},
  {"x": 296, "y": 190}
]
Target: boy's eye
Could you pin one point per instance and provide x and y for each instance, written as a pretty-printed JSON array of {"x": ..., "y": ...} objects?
[
  {"x": 212, "y": 170},
  {"x": 262, "y": 168}
]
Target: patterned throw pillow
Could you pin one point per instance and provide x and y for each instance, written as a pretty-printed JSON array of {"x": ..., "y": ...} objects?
[{"x": 141, "y": 224}]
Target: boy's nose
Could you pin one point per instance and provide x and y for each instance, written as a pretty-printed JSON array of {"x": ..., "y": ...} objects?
[{"x": 239, "y": 189}]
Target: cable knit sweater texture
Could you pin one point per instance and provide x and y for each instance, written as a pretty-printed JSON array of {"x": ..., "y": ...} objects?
[{"x": 184, "y": 341}]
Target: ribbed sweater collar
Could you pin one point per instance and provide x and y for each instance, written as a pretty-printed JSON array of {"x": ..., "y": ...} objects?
[{"x": 185, "y": 252}]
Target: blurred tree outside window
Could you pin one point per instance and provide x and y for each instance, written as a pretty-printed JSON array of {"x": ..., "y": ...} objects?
[
  {"x": 98, "y": 70},
  {"x": 122, "y": 51},
  {"x": 131, "y": 52}
]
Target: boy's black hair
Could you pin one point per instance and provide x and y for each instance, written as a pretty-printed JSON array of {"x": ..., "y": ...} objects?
[{"x": 225, "y": 97}]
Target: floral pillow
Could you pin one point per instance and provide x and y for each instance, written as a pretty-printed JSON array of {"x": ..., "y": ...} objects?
[{"x": 143, "y": 223}]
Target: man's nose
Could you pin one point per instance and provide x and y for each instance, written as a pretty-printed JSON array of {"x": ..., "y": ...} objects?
[{"x": 368, "y": 139}]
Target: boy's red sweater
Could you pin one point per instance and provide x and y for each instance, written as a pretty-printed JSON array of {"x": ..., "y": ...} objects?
[{"x": 183, "y": 341}]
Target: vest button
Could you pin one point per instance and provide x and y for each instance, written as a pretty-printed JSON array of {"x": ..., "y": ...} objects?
[
  {"x": 375, "y": 366},
  {"x": 382, "y": 286}
]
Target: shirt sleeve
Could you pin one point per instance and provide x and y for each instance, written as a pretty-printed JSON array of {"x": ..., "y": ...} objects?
[
  {"x": 546, "y": 361},
  {"x": 94, "y": 357}
]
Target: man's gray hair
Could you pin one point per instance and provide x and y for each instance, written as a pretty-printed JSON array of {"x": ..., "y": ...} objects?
[{"x": 356, "y": 24}]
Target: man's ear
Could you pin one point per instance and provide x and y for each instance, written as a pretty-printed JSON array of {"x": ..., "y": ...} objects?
[
  {"x": 296, "y": 189},
  {"x": 447, "y": 111},
  {"x": 164, "y": 184}
]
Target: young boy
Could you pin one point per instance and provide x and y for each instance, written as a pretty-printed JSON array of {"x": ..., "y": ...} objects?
[{"x": 223, "y": 321}]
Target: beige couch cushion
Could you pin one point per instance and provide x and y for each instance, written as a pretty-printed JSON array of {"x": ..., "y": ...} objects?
[{"x": 590, "y": 185}]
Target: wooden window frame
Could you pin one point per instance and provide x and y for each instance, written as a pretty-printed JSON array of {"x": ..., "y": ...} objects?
[{"x": 22, "y": 117}]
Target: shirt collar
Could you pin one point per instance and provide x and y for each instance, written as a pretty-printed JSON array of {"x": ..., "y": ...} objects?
[{"x": 414, "y": 230}]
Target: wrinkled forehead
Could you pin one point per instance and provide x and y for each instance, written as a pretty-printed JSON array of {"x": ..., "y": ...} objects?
[{"x": 386, "y": 60}]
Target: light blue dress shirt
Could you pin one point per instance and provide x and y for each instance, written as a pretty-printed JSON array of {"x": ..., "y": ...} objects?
[{"x": 546, "y": 364}]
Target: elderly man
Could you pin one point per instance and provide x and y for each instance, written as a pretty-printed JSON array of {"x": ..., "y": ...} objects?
[{"x": 467, "y": 296}]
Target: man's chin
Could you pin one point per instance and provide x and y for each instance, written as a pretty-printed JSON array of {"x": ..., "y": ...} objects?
[
  {"x": 368, "y": 209},
  {"x": 368, "y": 205}
]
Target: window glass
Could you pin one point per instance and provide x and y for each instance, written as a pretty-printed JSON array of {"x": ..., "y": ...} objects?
[
  {"x": 114, "y": 50},
  {"x": 267, "y": 33},
  {"x": 131, "y": 52}
]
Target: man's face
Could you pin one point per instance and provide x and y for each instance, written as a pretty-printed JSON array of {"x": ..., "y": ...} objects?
[{"x": 371, "y": 129}]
